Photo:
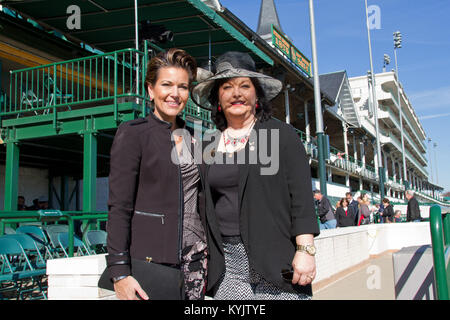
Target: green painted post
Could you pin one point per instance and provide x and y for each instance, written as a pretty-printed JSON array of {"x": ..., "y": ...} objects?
[
  {"x": 11, "y": 176},
  {"x": 71, "y": 234},
  {"x": 115, "y": 88},
  {"x": 382, "y": 175},
  {"x": 446, "y": 226},
  {"x": 89, "y": 168},
  {"x": 321, "y": 163},
  {"x": 89, "y": 171},
  {"x": 437, "y": 240}
]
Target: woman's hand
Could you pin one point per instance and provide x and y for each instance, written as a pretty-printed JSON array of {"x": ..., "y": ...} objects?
[
  {"x": 127, "y": 288},
  {"x": 304, "y": 266}
]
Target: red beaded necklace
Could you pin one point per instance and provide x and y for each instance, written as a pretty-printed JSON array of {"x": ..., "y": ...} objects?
[{"x": 242, "y": 139}]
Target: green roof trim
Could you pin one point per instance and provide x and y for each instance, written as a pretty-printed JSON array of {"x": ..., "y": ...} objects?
[{"x": 211, "y": 14}]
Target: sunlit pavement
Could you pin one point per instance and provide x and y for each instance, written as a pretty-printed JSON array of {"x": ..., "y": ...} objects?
[{"x": 374, "y": 280}]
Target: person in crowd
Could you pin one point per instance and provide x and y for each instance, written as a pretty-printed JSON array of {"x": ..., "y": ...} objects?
[
  {"x": 21, "y": 203},
  {"x": 413, "y": 209},
  {"x": 153, "y": 204},
  {"x": 261, "y": 223},
  {"x": 338, "y": 204},
  {"x": 344, "y": 214},
  {"x": 35, "y": 205},
  {"x": 398, "y": 216},
  {"x": 354, "y": 205},
  {"x": 325, "y": 211},
  {"x": 43, "y": 203},
  {"x": 364, "y": 210},
  {"x": 388, "y": 212}
]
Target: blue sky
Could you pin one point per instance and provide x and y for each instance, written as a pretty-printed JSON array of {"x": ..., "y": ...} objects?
[{"x": 424, "y": 60}]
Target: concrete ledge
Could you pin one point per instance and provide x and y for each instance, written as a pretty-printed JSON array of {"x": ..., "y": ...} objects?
[
  {"x": 77, "y": 278},
  {"x": 343, "y": 249}
]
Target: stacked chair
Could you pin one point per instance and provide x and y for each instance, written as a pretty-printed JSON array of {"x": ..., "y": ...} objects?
[{"x": 25, "y": 250}]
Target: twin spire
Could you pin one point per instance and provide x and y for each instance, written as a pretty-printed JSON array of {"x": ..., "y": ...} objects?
[{"x": 267, "y": 16}]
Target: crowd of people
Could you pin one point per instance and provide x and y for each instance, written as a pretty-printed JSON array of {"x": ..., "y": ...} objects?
[
  {"x": 350, "y": 212},
  {"x": 40, "y": 203}
]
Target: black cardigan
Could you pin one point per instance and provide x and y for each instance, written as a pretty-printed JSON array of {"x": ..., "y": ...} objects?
[{"x": 274, "y": 209}]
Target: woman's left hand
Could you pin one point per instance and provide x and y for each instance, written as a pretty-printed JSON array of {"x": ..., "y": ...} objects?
[{"x": 304, "y": 266}]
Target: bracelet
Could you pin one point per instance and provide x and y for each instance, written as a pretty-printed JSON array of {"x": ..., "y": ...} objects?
[{"x": 115, "y": 279}]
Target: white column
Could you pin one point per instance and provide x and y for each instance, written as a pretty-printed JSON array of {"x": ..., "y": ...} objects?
[
  {"x": 394, "y": 172},
  {"x": 355, "y": 151},
  {"x": 363, "y": 154},
  {"x": 286, "y": 104},
  {"x": 344, "y": 127},
  {"x": 375, "y": 161},
  {"x": 307, "y": 127},
  {"x": 386, "y": 166},
  {"x": 347, "y": 180}
]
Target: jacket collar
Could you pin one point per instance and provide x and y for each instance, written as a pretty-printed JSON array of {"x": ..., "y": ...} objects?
[{"x": 156, "y": 121}]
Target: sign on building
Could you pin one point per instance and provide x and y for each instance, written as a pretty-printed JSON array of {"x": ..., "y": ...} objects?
[{"x": 289, "y": 50}]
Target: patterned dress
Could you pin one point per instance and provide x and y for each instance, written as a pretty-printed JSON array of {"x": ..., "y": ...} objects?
[{"x": 194, "y": 253}]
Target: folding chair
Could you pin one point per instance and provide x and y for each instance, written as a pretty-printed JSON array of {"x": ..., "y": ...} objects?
[
  {"x": 9, "y": 230},
  {"x": 17, "y": 268},
  {"x": 31, "y": 249},
  {"x": 81, "y": 249},
  {"x": 54, "y": 93},
  {"x": 52, "y": 231},
  {"x": 96, "y": 241},
  {"x": 39, "y": 238},
  {"x": 30, "y": 100}
]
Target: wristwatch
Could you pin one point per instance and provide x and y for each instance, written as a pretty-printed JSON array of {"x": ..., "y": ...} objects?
[
  {"x": 115, "y": 279},
  {"x": 309, "y": 249}
]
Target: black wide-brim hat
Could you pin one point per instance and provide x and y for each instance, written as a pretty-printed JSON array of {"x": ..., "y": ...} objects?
[{"x": 233, "y": 64}]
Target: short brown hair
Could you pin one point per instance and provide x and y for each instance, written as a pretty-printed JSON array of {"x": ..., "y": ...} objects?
[{"x": 173, "y": 57}]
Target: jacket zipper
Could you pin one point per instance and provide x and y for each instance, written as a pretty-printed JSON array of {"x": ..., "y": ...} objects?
[{"x": 156, "y": 215}]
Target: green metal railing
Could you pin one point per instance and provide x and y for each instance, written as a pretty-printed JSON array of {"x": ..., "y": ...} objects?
[
  {"x": 440, "y": 238},
  {"x": 52, "y": 216},
  {"x": 98, "y": 79}
]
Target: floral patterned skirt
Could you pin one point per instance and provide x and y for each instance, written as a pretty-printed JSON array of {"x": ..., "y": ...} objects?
[{"x": 194, "y": 267}]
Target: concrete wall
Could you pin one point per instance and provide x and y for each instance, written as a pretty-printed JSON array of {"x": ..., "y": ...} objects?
[
  {"x": 337, "y": 250},
  {"x": 340, "y": 249}
]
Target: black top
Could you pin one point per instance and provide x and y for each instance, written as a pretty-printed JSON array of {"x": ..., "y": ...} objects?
[
  {"x": 345, "y": 217},
  {"x": 389, "y": 213},
  {"x": 413, "y": 210},
  {"x": 223, "y": 180},
  {"x": 325, "y": 210}
]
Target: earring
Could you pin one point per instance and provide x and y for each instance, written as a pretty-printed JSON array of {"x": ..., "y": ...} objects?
[
  {"x": 219, "y": 108},
  {"x": 257, "y": 105}
]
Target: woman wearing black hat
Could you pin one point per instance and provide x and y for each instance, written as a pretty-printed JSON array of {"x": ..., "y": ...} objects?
[{"x": 260, "y": 213}]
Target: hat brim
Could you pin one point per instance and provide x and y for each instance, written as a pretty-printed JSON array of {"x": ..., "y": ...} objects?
[{"x": 202, "y": 90}]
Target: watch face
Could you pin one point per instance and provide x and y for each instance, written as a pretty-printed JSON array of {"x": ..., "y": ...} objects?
[{"x": 311, "y": 250}]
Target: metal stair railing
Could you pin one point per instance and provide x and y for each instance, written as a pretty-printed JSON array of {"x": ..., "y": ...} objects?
[{"x": 440, "y": 239}]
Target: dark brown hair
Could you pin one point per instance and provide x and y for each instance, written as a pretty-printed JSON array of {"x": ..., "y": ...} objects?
[
  {"x": 173, "y": 57},
  {"x": 342, "y": 201},
  {"x": 263, "y": 113}
]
